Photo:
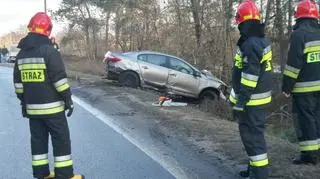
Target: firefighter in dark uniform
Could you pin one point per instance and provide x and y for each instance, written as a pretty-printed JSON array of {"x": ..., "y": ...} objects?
[
  {"x": 301, "y": 78},
  {"x": 42, "y": 87},
  {"x": 251, "y": 91}
]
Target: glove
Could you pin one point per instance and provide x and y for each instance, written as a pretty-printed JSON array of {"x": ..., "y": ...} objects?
[
  {"x": 237, "y": 107},
  {"x": 69, "y": 106}
]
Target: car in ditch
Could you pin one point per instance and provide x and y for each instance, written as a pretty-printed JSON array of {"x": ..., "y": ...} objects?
[{"x": 164, "y": 72}]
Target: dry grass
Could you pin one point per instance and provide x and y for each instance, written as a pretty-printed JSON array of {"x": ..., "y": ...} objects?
[{"x": 80, "y": 64}]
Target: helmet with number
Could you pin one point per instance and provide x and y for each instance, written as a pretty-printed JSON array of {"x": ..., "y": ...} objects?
[
  {"x": 247, "y": 10},
  {"x": 307, "y": 9},
  {"x": 40, "y": 23}
]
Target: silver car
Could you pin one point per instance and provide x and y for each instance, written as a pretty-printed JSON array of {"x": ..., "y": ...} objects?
[{"x": 162, "y": 71}]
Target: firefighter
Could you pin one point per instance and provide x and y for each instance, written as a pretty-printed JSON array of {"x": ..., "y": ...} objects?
[
  {"x": 301, "y": 78},
  {"x": 42, "y": 87},
  {"x": 251, "y": 91}
]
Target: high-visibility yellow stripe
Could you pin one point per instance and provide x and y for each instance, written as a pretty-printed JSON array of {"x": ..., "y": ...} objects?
[
  {"x": 63, "y": 164},
  {"x": 290, "y": 74},
  {"x": 252, "y": 102},
  {"x": 32, "y": 66},
  {"x": 63, "y": 87},
  {"x": 312, "y": 49},
  {"x": 257, "y": 102},
  {"x": 309, "y": 147},
  {"x": 267, "y": 57},
  {"x": 40, "y": 162},
  {"x": 19, "y": 90},
  {"x": 249, "y": 83},
  {"x": 45, "y": 111},
  {"x": 306, "y": 89},
  {"x": 260, "y": 163}
]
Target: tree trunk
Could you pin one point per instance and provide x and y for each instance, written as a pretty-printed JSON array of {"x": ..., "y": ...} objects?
[
  {"x": 268, "y": 12},
  {"x": 107, "y": 29},
  {"x": 195, "y": 6}
]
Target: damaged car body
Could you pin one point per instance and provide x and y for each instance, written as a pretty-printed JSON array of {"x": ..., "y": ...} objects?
[{"x": 164, "y": 72}]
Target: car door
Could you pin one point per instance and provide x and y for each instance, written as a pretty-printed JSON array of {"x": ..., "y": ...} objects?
[
  {"x": 154, "y": 69},
  {"x": 181, "y": 78}
]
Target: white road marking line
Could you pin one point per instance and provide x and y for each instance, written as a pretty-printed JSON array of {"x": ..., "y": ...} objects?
[{"x": 171, "y": 166}]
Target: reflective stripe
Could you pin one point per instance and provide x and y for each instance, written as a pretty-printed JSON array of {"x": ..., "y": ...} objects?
[
  {"x": 310, "y": 145},
  {"x": 18, "y": 85},
  {"x": 306, "y": 84},
  {"x": 260, "y": 163},
  {"x": 19, "y": 91},
  {"x": 45, "y": 106},
  {"x": 40, "y": 157},
  {"x": 255, "y": 99},
  {"x": 31, "y": 66},
  {"x": 61, "y": 82},
  {"x": 63, "y": 164},
  {"x": 62, "y": 85},
  {"x": 303, "y": 87},
  {"x": 259, "y": 160},
  {"x": 258, "y": 157},
  {"x": 312, "y": 46},
  {"x": 40, "y": 162},
  {"x": 18, "y": 88},
  {"x": 261, "y": 95},
  {"x": 292, "y": 69},
  {"x": 249, "y": 83},
  {"x": 312, "y": 49},
  {"x": 30, "y": 60},
  {"x": 290, "y": 74},
  {"x": 267, "y": 50},
  {"x": 62, "y": 158},
  {"x": 45, "y": 109},
  {"x": 249, "y": 76}
]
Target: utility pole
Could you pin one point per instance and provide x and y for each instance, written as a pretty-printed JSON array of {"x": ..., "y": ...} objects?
[{"x": 45, "y": 6}]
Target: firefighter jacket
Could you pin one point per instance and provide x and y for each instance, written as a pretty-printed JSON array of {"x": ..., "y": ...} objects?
[
  {"x": 251, "y": 75},
  {"x": 302, "y": 71},
  {"x": 40, "y": 78}
]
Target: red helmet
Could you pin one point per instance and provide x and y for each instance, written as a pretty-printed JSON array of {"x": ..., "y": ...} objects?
[
  {"x": 307, "y": 9},
  {"x": 247, "y": 10},
  {"x": 40, "y": 23}
]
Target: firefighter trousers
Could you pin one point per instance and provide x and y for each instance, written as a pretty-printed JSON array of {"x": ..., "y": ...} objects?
[
  {"x": 306, "y": 115},
  {"x": 251, "y": 126},
  {"x": 58, "y": 129}
]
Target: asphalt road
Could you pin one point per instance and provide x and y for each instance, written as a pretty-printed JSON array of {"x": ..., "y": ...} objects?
[{"x": 99, "y": 152}]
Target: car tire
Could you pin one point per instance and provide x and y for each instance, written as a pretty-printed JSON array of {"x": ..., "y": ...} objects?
[
  {"x": 208, "y": 100},
  {"x": 129, "y": 79}
]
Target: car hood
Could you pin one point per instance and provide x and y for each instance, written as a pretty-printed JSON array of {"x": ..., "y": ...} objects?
[{"x": 213, "y": 78}]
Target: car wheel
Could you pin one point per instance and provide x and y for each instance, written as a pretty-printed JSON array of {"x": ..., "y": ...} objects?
[
  {"x": 129, "y": 79},
  {"x": 208, "y": 100}
]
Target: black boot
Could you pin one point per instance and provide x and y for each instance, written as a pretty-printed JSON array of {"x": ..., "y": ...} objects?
[
  {"x": 245, "y": 173},
  {"x": 306, "y": 158}
]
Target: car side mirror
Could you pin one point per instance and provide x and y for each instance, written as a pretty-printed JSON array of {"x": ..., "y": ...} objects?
[{"x": 196, "y": 74}]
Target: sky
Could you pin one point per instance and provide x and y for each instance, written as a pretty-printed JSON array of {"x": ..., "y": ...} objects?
[{"x": 14, "y": 13}]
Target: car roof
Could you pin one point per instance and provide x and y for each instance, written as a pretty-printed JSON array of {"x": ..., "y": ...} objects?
[{"x": 151, "y": 52}]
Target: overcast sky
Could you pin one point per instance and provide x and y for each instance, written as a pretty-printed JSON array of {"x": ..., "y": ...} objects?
[{"x": 14, "y": 13}]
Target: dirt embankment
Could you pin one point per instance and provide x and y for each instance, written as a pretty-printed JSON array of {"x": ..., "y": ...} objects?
[{"x": 206, "y": 133}]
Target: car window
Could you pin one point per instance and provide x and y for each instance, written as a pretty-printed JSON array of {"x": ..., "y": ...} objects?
[
  {"x": 178, "y": 65},
  {"x": 143, "y": 58},
  {"x": 154, "y": 59}
]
